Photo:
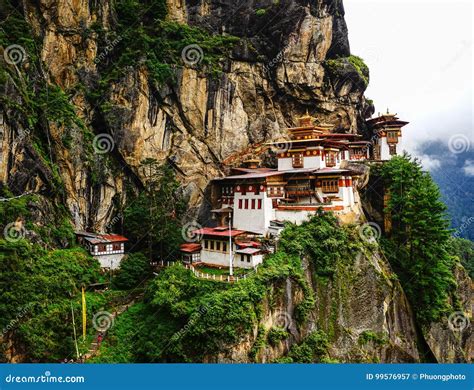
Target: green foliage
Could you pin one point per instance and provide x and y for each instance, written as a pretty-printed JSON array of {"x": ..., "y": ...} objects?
[
  {"x": 419, "y": 241},
  {"x": 14, "y": 209},
  {"x": 134, "y": 269},
  {"x": 37, "y": 288},
  {"x": 464, "y": 250},
  {"x": 260, "y": 342},
  {"x": 368, "y": 336},
  {"x": 14, "y": 29},
  {"x": 337, "y": 67},
  {"x": 118, "y": 346},
  {"x": 313, "y": 349},
  {"x": 152, "y": 219},
  {"x": 186, "y": 318},
  {"x": 143, "y": 35},
  {"x": 260, "y": 12},
  {"x": 276, "y": 334},
  {"x": 322, "y": 241},
  {"x": 57, "y": 231},
  {"x": 361, "y": 67}
]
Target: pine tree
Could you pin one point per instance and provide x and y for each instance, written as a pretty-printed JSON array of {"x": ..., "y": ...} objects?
[
  {"x": 152, "y": 218},
  {"x": 419, "y": 238}
]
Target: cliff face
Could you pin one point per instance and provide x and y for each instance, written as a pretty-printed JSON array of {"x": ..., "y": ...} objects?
[
  {"x": 275, "y": 73},
  {"x": 363, "y": 310}
]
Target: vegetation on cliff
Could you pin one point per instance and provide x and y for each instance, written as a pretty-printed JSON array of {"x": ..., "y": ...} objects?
[
  {"x": 418, "y": 245},
  {"x": 351, "y": 67},
  {"x": 152, "y": 218},
  {"x": 38, "y": 288},
  {"x": 188, "y": 319}
]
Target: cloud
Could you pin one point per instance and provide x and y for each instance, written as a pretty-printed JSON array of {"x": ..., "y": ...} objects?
[
  {"x": 468, "y": 168},
  {"x": 420, "y": 57},
  {"x": 429, "y": 163}
]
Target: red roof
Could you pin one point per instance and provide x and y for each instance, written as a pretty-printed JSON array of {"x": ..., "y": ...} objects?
[
  {"x": 95, "y": 238},
  {"x": 219, "y": 232},
  {"x": 113, "y": 237},
  {"x": 248, "y": 244},
  {"x": 190, "y": 247},
  {"x": 253, "y": 175}
]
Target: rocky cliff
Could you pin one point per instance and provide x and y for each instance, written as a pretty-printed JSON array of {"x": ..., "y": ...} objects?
[
  {"x": 278, "y": 68},
  {"x": 363, "y": 310},
  {"x": 75, "y": 136}
]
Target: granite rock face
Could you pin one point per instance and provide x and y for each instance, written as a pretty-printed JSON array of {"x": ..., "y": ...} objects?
[{"x": 275, "y": 73}]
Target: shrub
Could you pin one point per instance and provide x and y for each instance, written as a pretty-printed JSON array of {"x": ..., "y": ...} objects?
[
  {"x": 134, "y": 269},
  {"x": 276, "y": 334}
]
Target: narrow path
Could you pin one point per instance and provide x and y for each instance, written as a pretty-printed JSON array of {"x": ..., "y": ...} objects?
[{"x": 94, "y": 348}]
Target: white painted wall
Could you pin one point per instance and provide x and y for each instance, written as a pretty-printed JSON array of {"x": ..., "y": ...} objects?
[
  {"x": 110, "y": 261},
  {"x": 313, "y": 162},
  {"x": 222, "y": 258},
  {"x": 284, "y": 164},
  {"x": 254, "y": 220},
  {"x": 215, "y": 257},
  {"x": 384, "y": 150},
  {"x": 254, "y": 261},
  {"x": 294, "y": 216}
]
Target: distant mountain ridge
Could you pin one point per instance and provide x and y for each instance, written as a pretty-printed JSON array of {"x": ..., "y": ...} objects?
[{"x": 457, "y": 187}]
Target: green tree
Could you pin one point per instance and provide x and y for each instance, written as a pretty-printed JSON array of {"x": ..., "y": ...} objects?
[
  {"x": 133, "y": 270},
  {"x": 464, "y": 250},
  {"x": 152, "y": 219},
  {"x": 419, "y": 240}
]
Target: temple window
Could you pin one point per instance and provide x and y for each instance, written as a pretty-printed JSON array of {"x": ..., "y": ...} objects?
[
  {"x": 392, "y": 137},
  {"x": 330, "y": 159},
  {"x": 330, "y": 185},
  {"x": 297, "y": 160},
  {"x": 392, "y": 149}
]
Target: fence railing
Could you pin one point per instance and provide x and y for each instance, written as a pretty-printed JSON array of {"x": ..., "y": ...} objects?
[{"x": 203, "y": 275}]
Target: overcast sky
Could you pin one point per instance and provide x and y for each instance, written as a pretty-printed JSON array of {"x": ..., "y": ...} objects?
[{"x": 420, "y": 57}]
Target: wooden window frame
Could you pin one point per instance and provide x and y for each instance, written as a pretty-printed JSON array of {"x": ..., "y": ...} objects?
[
  {"x": 297, "y": 160},
  {"x": 330, "y": 186}
]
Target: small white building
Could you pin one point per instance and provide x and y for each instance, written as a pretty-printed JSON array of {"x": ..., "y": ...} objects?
[
  {"x": 109, "y": 249},
  {"x": 215, "y": 244}
]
